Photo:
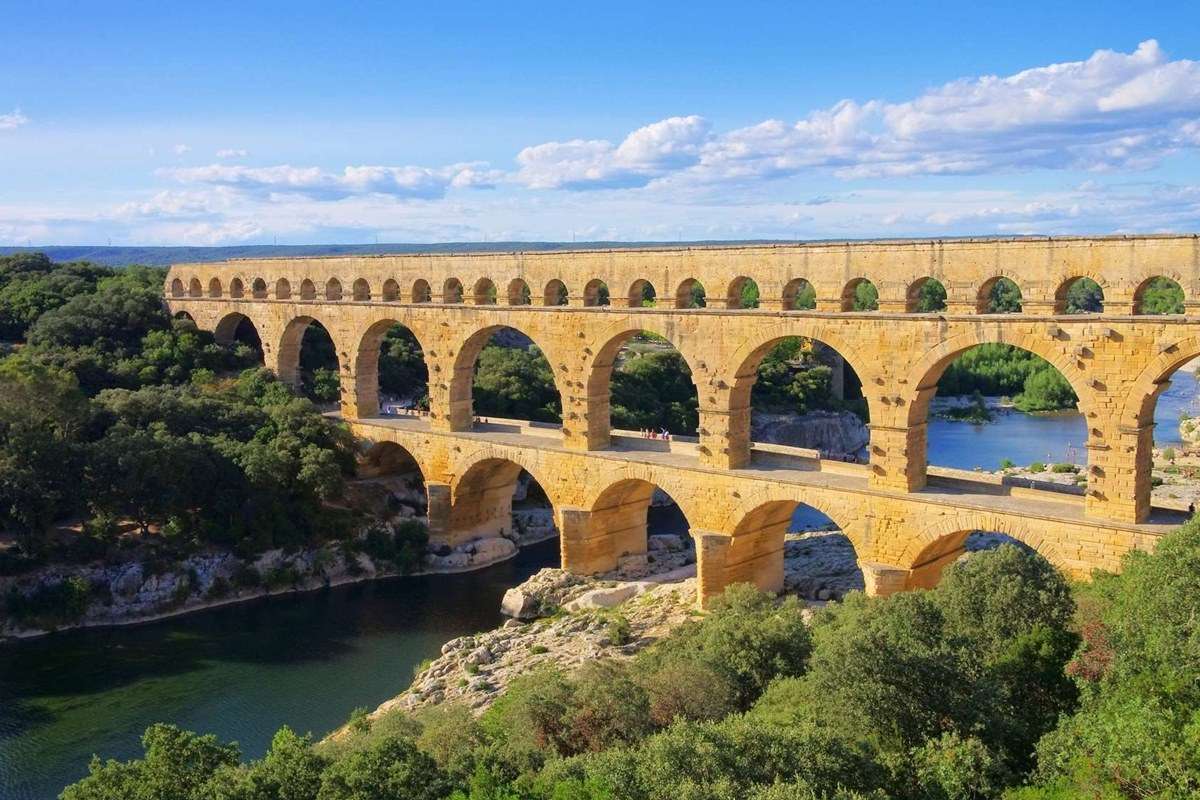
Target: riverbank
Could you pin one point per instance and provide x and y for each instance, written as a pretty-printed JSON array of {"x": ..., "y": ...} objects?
[{"x": 140, "y": 591}]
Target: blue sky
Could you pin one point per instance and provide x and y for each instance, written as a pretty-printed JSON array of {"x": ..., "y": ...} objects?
[{"x": 153, "y": 123}]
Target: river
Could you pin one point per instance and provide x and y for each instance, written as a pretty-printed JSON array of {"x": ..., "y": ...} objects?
[
  {"x": 240, "y": 671},
  {"x": 307, "y": 660}
]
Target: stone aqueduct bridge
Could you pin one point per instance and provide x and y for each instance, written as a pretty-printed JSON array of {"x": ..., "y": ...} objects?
[{"x": 905, "y": 520}]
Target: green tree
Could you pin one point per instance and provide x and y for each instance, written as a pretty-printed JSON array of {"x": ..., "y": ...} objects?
[
  {"x": 931, "y": 297},
  {"x": 866, "y": 297},
  {"x": 516, "y": 382},
  {"x": 1004, "y": 297},
  {"x": 1085, "y": 297},
  {"x": 177, "y": 765},
  {"x": 1161, "y": 296},
  {"x": 391, "y": 769}
]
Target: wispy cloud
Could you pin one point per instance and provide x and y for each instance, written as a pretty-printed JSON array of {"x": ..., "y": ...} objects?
[
  {"x": 230, "y": 152},
  {"x": 13, "y": 121},
  {"x": 181, "y": 149},
  {"x": 406, "y": 182}
]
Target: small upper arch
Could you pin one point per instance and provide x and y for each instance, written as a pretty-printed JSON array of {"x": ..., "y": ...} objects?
[
  {"x": 421, "y": 293},
  {"x": 799, "y": 295},
  {"x": 999, "y": 294},
  {"x": 1158, "y": 294},
  {"x": 259, "y": 289},
  {"x": 361, "y": 290},
  {"x": 484, "y": 293},
  {"x": 642, "y": 294},
  {"x": 333, "y": 289},
  {"x": 860, "y": 294},
  {"x": 391, "y": 291},
  {"x": 743, "y": 293},
  {"x": 214, "y": 287},
  {"x": 1080, "y": 294},
  {"x": 555, "y": 293},
  {"x": 596, "y": 293},
  {"x": 283, "y": 289},
  {"x": 195, "y": 289},
  {"x": 518, "y": 293},
  {"x": 925, "y": 296},
  {"x": 177, "y": 289},
  {"x": 690, "y": 294},
  {"x": 237, "y": 288},
  {"x": 308, "y": 290},
  {"x": 452, "y": 291}
]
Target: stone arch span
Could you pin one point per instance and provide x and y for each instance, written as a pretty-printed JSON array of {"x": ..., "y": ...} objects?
[
  {"x": 599, "y": 376},
  {"x": 899, "y": 441},
  {"x": 1064, "y": 287},
  {"x": 225, "y": 331},
  {"x": 384, "y": 457},
  {"x": 617, "y": 523},
  {"x": 983, "y": 298},
  {"x": 366, "y": 362},
  {"x": 932, "y": 549},
  {"x": 1136, "y": 415},
  {"x": 462, "y": 375},
  {"x": 481, "y": 495},
  {"x": 744, "y": 374},
  {"x": 287, "y": 350}
]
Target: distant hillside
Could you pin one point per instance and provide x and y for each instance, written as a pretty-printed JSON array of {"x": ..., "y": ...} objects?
[{"x": 164, "y": 256}]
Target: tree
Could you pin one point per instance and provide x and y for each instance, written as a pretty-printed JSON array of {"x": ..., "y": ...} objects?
[
  {"x": 387, "y": 770},
  {"x": 1004, "y": 297},
  {"x": 1085, "y": 297},
  {"x": 1161, "y": 296},
  {"x": 866, "y": 297},
  {"x": 516, "y": 382},
  {"x": 931, "y": 297},
  {"x": 176, "y": 766}
]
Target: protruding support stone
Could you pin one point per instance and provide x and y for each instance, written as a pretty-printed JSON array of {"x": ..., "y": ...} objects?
[
  {"x": 712, "y": 553},
  {"x": 725, "y": 437},
  {"x": 898, "y": 456},
  {"x": 1119, "y": 472},
  {"x": 881, "y": 580},
  {"x": 438, "y": 496}
]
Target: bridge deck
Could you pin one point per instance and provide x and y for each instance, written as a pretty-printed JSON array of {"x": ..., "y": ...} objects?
[{"x": 802, "y": 468}]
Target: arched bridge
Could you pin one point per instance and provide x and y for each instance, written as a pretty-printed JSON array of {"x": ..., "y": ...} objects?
[{"x": 904, "y": 518}]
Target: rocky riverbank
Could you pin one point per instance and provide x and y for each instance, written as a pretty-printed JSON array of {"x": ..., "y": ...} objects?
[
  {"x": 837, "y": 434},
  {"x": 136, "y": 590}
]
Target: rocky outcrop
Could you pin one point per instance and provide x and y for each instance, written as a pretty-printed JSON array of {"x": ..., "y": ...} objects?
[{"x": 835, "y": 434}]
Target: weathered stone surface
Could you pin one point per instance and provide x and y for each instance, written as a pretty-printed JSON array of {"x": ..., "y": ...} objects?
[{"x": 728, "y": 485}]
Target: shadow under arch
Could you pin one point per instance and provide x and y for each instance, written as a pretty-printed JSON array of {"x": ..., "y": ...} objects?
[
  {"x": 462, "y": 378},
  {"x": 390, "y": 458},
  {"x": 481, "y": 497},
  {"x": 928, "y": 554},
  {"x": 924, "y": 376},
  {"x": 367, "y": 367},
  {"x": 619, "y": 523},
  {"x": 757, "y": 548},
  {"x": 288, "y": 350}
]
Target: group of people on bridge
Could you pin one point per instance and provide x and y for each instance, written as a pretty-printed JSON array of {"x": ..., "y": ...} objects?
[{"x": 650, "y": 433}]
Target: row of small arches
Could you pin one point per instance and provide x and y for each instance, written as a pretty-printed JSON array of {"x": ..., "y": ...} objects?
[{"x": 1156, "y": 295}]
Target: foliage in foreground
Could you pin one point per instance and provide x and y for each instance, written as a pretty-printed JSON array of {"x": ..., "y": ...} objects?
[{"x": 994, "y": 684}]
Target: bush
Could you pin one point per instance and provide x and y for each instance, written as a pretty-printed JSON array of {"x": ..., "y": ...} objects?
[
  {"x": 52, "y": 605},
  {"x": 245, "y": 576},
  {"x": 1007, "y": 463},
  {"x": 1064, "y": 468},
  {"x": 1037, "y": 466}
]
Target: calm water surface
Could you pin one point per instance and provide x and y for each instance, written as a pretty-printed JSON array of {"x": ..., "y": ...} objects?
[
  {"x": 1025, "y": 438},
  {"x": 239, "y": 672}
]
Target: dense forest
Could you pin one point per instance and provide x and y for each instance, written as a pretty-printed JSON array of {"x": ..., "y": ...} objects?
[{"x": 1004, "y": 681}]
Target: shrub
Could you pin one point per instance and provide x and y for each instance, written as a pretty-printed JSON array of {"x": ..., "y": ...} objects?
[
  {"x": 1037, "y": 466},
  {"x": 1007, "y": 463},
  {"x": 218, "y": 589},
  {"x": 52, "y": 605},
  {"x": 1064, "y": 468},
  {"x": 619, "y": 630},
  {"x": 246, "y": 576}
]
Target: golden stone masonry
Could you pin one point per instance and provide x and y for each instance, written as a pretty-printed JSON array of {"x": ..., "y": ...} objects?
[{"x": 906, "y": 520}]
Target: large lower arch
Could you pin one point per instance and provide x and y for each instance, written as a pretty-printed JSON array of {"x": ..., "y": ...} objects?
[
  {"x": 1138, "y": 411},
  {"x": 367, "y": 365},
  {"x": 617, "y": 532},
  {"x": 927, "y": 554},
  {"x": 234, "y": 327},
  {"x": 462, "y": 378},
  {"x": 481, "y": 499}
]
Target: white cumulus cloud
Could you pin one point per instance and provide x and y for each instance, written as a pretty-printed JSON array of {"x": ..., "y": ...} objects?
[{"x": 316, "y": 183}]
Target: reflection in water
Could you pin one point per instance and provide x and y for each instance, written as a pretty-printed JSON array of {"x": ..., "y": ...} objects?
[{"x": 239, "y": 672}]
